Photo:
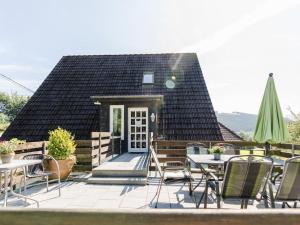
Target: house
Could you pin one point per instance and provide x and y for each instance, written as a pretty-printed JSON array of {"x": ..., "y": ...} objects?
[{"x": 129, "y": 95}]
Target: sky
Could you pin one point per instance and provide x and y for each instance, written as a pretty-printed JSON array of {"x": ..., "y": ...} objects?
[{"x": 238, "y": 43}]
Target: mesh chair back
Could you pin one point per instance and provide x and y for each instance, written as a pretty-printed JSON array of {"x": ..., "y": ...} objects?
[
  {"x": 289, "y": 188},
  {"x": 196, "y": 148},
  {"x": 34, "y": 169},
  {"x": 246, "y": 176},
  {"x": 154, "y": 156}
]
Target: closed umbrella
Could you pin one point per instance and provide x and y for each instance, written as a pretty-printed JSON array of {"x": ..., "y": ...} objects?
[{"x": 270, "y": 126}]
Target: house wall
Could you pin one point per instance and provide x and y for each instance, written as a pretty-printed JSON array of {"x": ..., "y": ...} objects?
[{"x": 105, "y": 114}]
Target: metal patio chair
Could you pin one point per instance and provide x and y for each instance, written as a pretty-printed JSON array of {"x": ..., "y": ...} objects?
[
  {"x": 38, "y": 171},
  {"x": 289, "y": 187},
  {"x": 245, "y": 179},
  {"x": 173, "y": 172},
  {"x": 200, "y": 149}
]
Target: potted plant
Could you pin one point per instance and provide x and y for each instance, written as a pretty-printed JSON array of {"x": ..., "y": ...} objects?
[
  {"x": 61, "y": 146},
  {"x": 217, "y": 151},
  {"x": 7, "y": 149}
]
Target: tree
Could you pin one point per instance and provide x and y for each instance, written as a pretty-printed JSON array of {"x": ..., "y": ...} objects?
[
  {"x": 246, "y": 136},
  {"x": 294, "y": 127},
  {"x": 11, "y": 104}
]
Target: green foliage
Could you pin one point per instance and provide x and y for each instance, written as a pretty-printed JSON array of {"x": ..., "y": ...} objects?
[
  {"x": 217, "y": 150},
  {"x": 294, "y": 129},
  {"x": 247, "y": 136},
  {"x": 13, "y": 103},
  {"x": 4, "y": 122},
  {"x": 61, "y": 144},
  {"x": 10, "y": 146}
]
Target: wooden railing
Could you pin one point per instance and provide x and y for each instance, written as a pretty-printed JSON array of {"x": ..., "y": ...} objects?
[
  {"x": 91, "y": 153},
  {"x": 149, "y": 217},
  {"x": 171, "y": 150}
]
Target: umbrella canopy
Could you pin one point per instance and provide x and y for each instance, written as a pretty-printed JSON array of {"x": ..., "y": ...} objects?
[{"x": 270, "y": 126}]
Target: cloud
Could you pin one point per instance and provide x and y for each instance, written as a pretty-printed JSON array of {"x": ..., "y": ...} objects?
[{"x": 264, "y": 10}]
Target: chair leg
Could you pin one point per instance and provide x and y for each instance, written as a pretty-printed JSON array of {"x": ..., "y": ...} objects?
[
  {"x": 295, "y": 204},
  {"x": 205, "y": 195},
  {"x": 47, "y": 183},
  {"x": 158, "y": 191},
  {"x": 242, "y": 204},
  {"x": 283, "y": 205},
  {"x": 190, "y": 188},
  {"x": 272, "y": 200},
  {"x": 218, "y": 195}
]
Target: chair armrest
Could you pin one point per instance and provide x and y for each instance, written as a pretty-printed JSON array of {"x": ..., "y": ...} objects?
[
  {"x": 212, "y": 177},
  {"x": 56, "y": 164}
]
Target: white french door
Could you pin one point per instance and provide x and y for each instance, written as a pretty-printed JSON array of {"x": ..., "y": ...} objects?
[{"x": 137, "y": 129}]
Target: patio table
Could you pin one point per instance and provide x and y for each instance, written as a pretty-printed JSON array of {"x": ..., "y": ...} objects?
[
  {"x": 208, "y": 159},
  {"x": 8, "y": 168}
]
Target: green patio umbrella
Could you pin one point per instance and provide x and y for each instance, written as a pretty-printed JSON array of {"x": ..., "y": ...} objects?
[{"x": 270, "y": 126}]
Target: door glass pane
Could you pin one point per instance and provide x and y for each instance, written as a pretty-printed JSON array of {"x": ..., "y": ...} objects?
[
  {"x": 132, "y": 114},
  {"x": 143, "y": 129},
  {"x": 138, "y": 137},
  {"x": 132, "y": 144},
  {"x": 138, "y": 129},
  {"x": 143, "y": 114},
  {"x": 132, "y": 129},
  {"x": 144, "y": 121},
  {"x": 143, "y": 144},
  {"x": 138, "y": 144},
  {"x": 144, "y": 137},
  {"x": 132, "y": 137},
  {"x": 132, "y": 121},
  {"x": 117, "y": 121}
]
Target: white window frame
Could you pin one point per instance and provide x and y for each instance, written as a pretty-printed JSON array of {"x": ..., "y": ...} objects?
[
  {"x": 148, "y": 73},
  {"x": 111, "y": 108}
]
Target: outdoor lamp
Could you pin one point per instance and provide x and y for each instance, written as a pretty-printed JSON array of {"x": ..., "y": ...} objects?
[{"x": 152, "y": 117}]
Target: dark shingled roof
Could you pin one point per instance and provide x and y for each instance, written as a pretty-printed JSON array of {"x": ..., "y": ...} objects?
[
  {"x": 64, "y": 100},
  {"x": 229, "y": 135}
]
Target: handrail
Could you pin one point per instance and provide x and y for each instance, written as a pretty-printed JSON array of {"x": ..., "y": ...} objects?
[{"x": 149, "y": 217}]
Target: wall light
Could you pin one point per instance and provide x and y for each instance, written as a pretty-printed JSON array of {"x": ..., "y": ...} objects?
[{"x": 152, "y": 117}]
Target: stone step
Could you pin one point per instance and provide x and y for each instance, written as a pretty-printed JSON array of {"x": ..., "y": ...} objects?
[
  {"x": 118, "y": 180},
  {"x": 99, "y": 172},
  {"x": 125, "y": 165}
]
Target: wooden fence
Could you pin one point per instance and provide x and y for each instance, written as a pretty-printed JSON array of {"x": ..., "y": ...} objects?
[
  {"x": 170, "y": 150},
  {"x": 149, "y": 217},
  {"x": 91, "y": 153}
]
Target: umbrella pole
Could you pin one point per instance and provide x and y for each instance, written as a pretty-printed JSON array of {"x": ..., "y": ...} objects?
[{"x": 268, "y": 148}]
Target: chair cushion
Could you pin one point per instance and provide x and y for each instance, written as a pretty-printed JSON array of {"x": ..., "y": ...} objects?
[{"x": 177, "y": 175}]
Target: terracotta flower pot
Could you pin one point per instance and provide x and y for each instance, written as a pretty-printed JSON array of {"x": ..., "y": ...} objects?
[
  {"x": 7, "y": 157},
  {"x": 65, "y": 167}
]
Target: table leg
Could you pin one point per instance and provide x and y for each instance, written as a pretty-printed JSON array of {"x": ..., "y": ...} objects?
[
  {"x": 5, "y": 189},
  {"x": 18, "y": 195}
]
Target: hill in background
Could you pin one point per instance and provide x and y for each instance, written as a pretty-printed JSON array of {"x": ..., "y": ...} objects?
[{"x": 238, "y": 121}]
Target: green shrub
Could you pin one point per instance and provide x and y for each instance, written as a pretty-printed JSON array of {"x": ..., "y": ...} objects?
[
  {"x": 61, "y": 144},
  {"x": 7, "y": 147}
]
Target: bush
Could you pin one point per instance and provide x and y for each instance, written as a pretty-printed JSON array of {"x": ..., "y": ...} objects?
[
  {"x": 7, "y": 147},
  {"x": 61, "y": 144}
]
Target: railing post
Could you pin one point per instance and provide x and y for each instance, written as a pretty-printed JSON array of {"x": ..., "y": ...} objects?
[
  {"x": 120, "y": 146},
  {"x": 100, "y": 150},
  {"x": 44, "y": 149},
  {"x": 112, "y": 145}
]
